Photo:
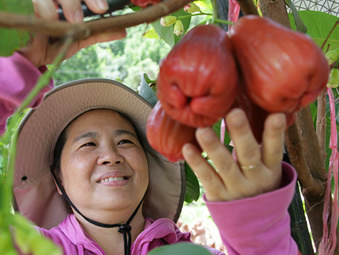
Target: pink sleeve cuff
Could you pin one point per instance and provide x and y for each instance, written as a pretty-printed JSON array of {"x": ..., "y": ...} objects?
[{"x": 17, "y": 78}]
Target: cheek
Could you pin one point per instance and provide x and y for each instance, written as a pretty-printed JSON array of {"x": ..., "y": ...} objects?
[
  {"x": 140, "y": 165},
  {"x": 75, "y": 166}
]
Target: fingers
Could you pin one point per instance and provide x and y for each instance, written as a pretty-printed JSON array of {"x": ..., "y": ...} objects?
[
  {"x": 45, "y": 9},
  {"x": 208, "y": 177},
  {"x": 247, "y": 149},
  {"x": 222, "y": 159},
  {"x": 230, "y": 181},
  {"x": 73, "y": 12},
  {"x": 273, "y": 140},
  {"x": 97, "y": 6}
]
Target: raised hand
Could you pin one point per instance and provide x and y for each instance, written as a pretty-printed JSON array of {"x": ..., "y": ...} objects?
[
  {"x": 256, "y": 169},
  {"x": 41, "y": 51}
]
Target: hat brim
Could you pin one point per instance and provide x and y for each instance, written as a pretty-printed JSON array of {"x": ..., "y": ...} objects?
[{"x": 35, "y": 192}]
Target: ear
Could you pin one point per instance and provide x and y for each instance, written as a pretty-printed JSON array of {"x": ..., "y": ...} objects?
[{"x": 57, "y": 188}]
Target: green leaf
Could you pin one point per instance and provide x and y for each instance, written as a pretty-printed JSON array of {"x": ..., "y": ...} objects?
[
  {"x": 319, "y": 25},
  {"x": 205, "y": 6},
  {"x": 17, "y": 6},
  {"x": 11, "y": 39},
  {"x": 297, "y": 19},
  {"x": 151, "y": 34},
  {"x": 148, "y": 79},
  {"x": 134, "y": 8},
  {"x": 146, "y": 91},
  {"x": 192, "y": 185},
  {"x": 166, "y": 33},
  {"x": 333, "y": 81},
  {"x": 180, "y": 249},
  {"x": 30, "y": 240},
  {"x": 332, "y": 56}
]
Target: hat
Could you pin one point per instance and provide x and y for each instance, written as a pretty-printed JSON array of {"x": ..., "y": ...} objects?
[{"x": 35, "y": 194}]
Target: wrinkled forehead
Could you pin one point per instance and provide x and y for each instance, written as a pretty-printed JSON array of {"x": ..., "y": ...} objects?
[
  {"x": 83, "y": 122},
  {"x": 90, "y": 118}
]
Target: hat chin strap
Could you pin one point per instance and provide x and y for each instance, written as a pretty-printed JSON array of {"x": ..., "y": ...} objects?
[{"x": 125, "y": 229}]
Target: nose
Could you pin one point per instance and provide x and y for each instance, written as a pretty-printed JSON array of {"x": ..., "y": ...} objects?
[{"x": 110, "y": 156}]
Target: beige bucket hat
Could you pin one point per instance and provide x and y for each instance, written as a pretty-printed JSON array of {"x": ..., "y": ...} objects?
[{"x": 35, "y": 194}]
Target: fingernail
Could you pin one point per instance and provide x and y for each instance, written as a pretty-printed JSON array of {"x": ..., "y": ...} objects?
[
  {"x": 102, "y": 5},
  {"x": 78, "y": 16},
  {"x": 278, "y": 121},
  {"x": 187, "y": 150},
  {"x": 236, "y": 117},
  {"x": 206, "y": 134}
]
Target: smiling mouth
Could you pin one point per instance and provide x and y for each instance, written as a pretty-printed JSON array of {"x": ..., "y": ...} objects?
[{"x": 111, "y": 179}]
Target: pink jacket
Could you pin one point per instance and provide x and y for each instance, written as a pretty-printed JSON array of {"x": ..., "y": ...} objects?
[{"x": 256, "y": 225}]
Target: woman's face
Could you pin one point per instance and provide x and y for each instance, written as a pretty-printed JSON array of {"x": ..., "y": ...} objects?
[{"x": 103, "y": 165}]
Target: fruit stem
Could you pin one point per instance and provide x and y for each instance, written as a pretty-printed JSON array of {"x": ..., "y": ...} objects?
[
  {"x": 195, "y": 14},
  {"x": 223, "y": 21}
]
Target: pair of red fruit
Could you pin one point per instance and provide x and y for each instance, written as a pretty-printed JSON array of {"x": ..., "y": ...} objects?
[{"x": 260, "y": 66}]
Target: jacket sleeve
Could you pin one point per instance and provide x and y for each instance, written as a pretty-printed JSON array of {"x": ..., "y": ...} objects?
[
  {"x": 260, "y": 224},
  {"x": 17, "y": 78}
]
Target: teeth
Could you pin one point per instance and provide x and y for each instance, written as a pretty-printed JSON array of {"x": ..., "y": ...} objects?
[{"x": 110, "y": 179}]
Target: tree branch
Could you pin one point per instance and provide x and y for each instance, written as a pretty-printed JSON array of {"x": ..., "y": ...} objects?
[
  {"x": 311, "y": 147},
  {"x": 275, "y": 10},
  {"x": 314, "y": 195},
  {"x": 295, "y": 150},
  {"x": 83, "y": 30},
  {"x": 313, "y": 190},
  {"x": 247, "y": 7}
]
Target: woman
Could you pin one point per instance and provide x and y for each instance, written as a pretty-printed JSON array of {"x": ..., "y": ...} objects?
[
  {"x": 85, "y": 143},
  {"x": 101, "y": 164}
]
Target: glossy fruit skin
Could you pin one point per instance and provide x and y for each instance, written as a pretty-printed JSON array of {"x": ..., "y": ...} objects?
[
  {"x": 255, "y": 114},
  {"x": 144, "y": 3},
  {"x": 166, "y": 135},
  {"x": 197, "y": 80},
  {"x": 283, "y": 70}
]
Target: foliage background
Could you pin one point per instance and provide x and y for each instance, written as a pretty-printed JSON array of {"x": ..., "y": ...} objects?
[{"x": 124, "y": 60}]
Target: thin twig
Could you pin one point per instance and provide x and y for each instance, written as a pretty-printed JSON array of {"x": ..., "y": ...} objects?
[
  {"x": 82, "y": 31},
  {"x": 329, "y": 34}
]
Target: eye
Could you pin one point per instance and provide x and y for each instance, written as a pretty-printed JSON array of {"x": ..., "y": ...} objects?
[
  {"x": 124, "y": 141},
  {"x": 88, "y": 144}
]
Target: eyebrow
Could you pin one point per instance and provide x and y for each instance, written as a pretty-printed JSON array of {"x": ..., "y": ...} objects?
[
  {"x": 123, "y": 132},
  {"x": 85, "y": 135},
  {"x": 94, "y": 134}
]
